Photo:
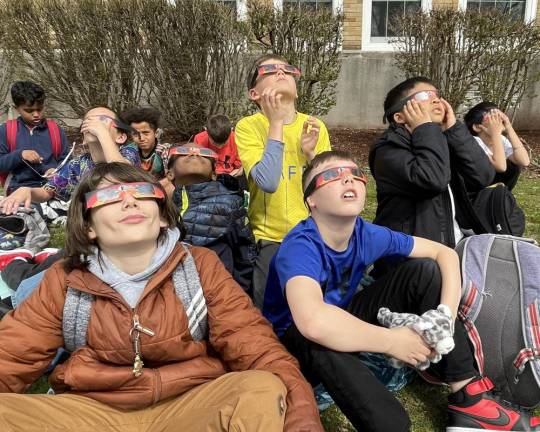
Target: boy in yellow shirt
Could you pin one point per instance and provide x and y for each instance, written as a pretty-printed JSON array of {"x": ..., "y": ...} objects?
[{"x": 275, "y": 146}]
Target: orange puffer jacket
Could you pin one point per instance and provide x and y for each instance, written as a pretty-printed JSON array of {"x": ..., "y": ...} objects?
[{"x": 239, "y": 339}]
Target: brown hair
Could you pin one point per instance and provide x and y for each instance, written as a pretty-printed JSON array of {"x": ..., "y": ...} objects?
[
  {"x": 78, "y": 245},
  {"x": 322, "y": 158}
]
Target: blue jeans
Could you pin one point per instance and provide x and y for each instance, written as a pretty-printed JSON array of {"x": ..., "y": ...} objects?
[{"x": 26, "y": 287}]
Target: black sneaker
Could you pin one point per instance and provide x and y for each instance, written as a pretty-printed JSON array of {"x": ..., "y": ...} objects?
[{"x": 475, "y": 407}]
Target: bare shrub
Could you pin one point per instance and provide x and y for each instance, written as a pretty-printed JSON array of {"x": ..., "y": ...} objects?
[
  {"x": 193, "y": 61},
  {"x": 308, "y": 39},
  {"x": 82, "y": 52},
  {"x": 468, "y": 54}
]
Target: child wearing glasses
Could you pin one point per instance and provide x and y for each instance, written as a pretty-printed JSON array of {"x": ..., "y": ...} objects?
[
  {"x": 31, "y": 146},
  {"x": 160, "y": 334},
  {"x": 324, "y": 320},
  {"x": 425, "y": 164},
  {"x": 493, "y": 131},
  {"x": 274, "y": 146},
  {"x": 108, "y": 140},
  {"x": 213, "y": 214}
]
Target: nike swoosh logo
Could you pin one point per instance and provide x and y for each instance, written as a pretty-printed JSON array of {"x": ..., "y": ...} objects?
[{"x": 502, "y": 420}]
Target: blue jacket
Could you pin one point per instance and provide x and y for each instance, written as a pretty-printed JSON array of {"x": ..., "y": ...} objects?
[
  {"x": 38, "y": 140},
  {"x": 217, "y": 219}
]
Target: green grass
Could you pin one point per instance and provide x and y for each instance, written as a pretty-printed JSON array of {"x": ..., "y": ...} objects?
[{"x": 425, "y": 403}]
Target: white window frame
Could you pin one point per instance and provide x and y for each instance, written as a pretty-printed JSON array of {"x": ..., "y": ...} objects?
[
  {"x": 385, "y": 46},
  {"x": 337, "y": 5},
  {"x": 530, "y": 9}
]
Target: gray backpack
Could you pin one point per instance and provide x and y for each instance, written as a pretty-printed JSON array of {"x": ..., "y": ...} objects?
[{"x": 500, "y": 311}]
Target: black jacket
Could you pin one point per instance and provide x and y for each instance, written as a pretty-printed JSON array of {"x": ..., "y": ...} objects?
[{"x": 413, "y": 171}]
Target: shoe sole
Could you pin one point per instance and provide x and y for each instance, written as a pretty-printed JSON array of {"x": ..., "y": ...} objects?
[
  {"x": 16, "y": 251},
  {"x": 467, "y": 429}
]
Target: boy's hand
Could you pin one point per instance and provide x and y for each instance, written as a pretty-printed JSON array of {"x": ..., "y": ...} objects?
[
  {"x": 449, "y": 116},
  {"x": 408, "y": 346},
  {"x": 96, "y": 127},
  {"x": 415, "y": 114},
  {"x": 31, "y": 156},
  {"x": 271, "y": 106},
  {"x": 492, "y": 124},
  {"x": 505, "y": 121},
  {"x": 10, "y": 204},
  {"x": 309, "y": 137}
]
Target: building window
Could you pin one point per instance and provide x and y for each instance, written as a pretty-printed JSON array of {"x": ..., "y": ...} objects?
[
  {"x": 518, "y": 9},
  {"x": 230, "y": 4},
  {"x": 336, "y": 5},
  {"x": 377, "y": 18},
  {"x": 382, "y": 13},
  {"x": 312, "y": 4}
]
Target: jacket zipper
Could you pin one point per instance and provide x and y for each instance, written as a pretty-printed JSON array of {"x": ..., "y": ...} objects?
[
  {"x": 135, "y": 334},
  {"x": 451, "y": 237}
]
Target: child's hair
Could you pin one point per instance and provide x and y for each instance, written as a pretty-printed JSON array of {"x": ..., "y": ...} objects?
[
  {"x": 23, "y": 92},
  {"x": 322, "y": 158},
  {"x": 476, "y": 114},
  {"x": 399, "y": 92},
  {"x": 219, "y": 128},
  {"x": 252, "y": 76},
  {"x": 78, "y": 245},
  {"x": 138, "y": 115}
]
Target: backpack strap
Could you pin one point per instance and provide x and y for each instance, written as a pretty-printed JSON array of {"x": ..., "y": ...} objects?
[
  {"x": 56, "y": 142},
  {"x": 187, "y": 286},
  {"x": 77, "y": 308},
  {"x": 11, "y": 134}
]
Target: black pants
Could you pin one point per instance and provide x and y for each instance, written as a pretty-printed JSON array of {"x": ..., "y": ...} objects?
[
  {"x": 414, "y": 286},
  {"x": 265, "y": 252}
]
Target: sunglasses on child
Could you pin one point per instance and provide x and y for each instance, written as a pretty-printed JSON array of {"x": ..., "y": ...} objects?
[
  {"x": 268, "y": 69},
  {"x": 116, "y": 123},
  {"x": 331, "y": 175},
  {"x": 118, "y": 192},
  {"x": 421, "y": 96},
  {"x": 193, "y": 151}
]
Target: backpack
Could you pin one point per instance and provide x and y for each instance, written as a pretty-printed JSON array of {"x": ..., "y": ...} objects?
[
  {"x": 500, "y": 312},
  {"x": 498, "y": 211},
  {"x": 11, "y": 135}
]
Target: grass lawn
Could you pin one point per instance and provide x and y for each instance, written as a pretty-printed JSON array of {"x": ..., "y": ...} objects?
[{"x": 425, "y": 403}]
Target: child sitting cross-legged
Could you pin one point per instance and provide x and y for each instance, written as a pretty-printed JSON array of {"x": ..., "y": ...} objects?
[
  {"x": 162, "y": 338},
  {"x": 494, "y": 132},
  {"x": 213, "y": 212},
  {"x": 313, "y": 301}
]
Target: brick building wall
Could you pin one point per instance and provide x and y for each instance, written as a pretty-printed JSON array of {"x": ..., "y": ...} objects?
[{"x": 352, "y": 26}]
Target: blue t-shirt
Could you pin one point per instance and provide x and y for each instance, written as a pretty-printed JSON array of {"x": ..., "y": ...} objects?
[{"x": 304, "y": 253}]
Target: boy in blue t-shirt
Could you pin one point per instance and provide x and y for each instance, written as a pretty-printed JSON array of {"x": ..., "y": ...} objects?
[
  {"x": 33, "y": 158},
  {"x": 312, "y": 299}
]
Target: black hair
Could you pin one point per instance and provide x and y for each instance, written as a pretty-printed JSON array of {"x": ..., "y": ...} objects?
[
  {"x": 27, "y": 92},
  {"x": 399, "y": 93},
  {"x": 322, "y": 158},
  {"x": 145, "y": 114},
  {"x": 476, "y": 114},
  {"x": 219, "y": 128}
]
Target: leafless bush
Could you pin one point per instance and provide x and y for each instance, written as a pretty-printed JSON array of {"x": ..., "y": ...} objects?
[
  {"x": 80, "y": 51},
  {"x": 193, "y": 61},
  {"x": 469, "y": 53},
  {"x": 308, "y": 39}
]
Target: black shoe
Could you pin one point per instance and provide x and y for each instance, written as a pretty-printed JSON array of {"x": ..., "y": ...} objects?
[{"x": 475, "y": 407}]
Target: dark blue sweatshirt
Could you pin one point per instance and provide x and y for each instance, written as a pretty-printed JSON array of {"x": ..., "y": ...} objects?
[{"x": 37, "y": 139}]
